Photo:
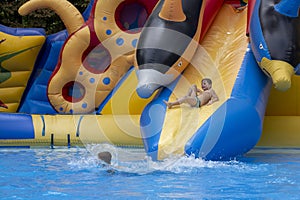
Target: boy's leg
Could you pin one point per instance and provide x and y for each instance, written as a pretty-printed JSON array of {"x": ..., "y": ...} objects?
[
  {"x": 171, "y": 104},
  {"x": 192, "y": 91},
  {"x": 189, "y": 100}
]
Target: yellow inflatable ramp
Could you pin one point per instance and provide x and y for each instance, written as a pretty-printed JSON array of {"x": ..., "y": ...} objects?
[{"x": 219, "y": 58}]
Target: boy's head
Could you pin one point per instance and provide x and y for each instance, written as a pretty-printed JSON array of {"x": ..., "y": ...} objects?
[
  {"x": 206, "y": 84},
  {"x": 105, "y": 156}
]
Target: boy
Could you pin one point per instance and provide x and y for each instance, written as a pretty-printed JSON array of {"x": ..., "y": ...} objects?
[{"x": 196, "y": 97}]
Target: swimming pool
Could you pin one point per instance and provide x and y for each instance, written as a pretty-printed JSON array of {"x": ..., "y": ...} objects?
[{"x": 75, "y": 173}]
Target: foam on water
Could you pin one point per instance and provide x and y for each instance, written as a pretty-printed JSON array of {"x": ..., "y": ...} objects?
[{"x": 134, "y": 160}]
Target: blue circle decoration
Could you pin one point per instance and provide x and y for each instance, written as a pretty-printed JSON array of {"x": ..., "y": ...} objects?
[
  {"x": 80, "y": 73},
  {"x": 61, "y": 109},
  {"x": 104, "y": 18},
  {"x": 92, "y": 80},
  {"x": 120, "y": 41},
  {"x": 71, "y": 111},
  {"x": 108, "y": 32},
  {"x": 134, "y": 42},
  {"x": 106, "y": 81},
  {"x": 84, "y": 105}
]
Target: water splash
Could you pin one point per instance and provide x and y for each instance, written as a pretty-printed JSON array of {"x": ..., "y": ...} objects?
[{"x": 135, "y": 161}]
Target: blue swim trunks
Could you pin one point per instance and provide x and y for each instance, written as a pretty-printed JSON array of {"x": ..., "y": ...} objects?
[{"x": 198, "y": 104}]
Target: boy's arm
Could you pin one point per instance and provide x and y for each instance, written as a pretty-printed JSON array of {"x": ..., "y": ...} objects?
[
  {"x": 214, "y": 98},
  {"x": 199, "y": 91}
]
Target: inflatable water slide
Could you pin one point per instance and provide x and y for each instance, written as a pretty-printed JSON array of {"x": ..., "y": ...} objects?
[{"x": 104, "y": 79}]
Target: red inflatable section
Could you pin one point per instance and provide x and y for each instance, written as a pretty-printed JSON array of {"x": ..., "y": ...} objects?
[
  {"x": 131, "y": 15},
  {"x": 211, "y": 10}
]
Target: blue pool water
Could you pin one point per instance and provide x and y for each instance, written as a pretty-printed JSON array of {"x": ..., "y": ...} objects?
[{"x": 75, "y": 173}]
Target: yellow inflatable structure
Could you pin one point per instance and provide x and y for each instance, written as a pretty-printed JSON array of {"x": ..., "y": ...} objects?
[
  {"x": 90, "y": 93},
  {"x": 94, "y": 57},
  {"x": 18, "y": 54}
]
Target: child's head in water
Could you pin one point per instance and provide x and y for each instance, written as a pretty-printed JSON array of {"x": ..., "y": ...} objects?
[{"x": 105, "y": 156}]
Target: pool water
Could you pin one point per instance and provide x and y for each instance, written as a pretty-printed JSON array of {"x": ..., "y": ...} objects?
[{"x": 76, "y": 173}]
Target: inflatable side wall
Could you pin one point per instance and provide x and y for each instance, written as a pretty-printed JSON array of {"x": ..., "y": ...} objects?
[{"x": 19, "y": 50}]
